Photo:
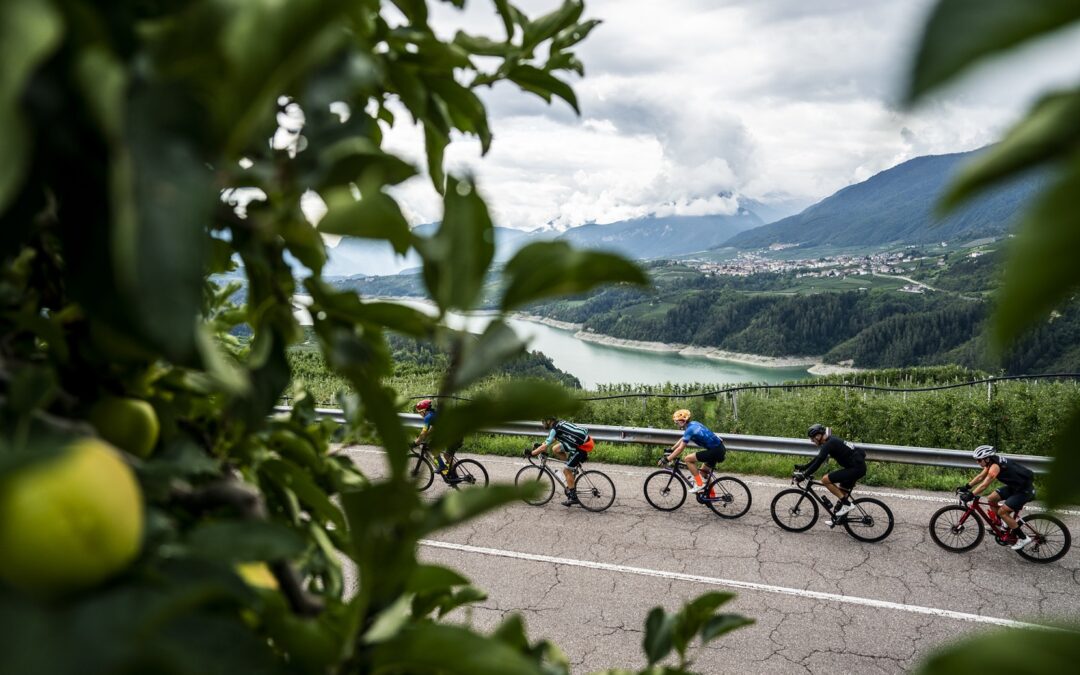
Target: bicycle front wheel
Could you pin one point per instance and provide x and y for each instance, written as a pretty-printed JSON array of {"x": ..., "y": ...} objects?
[
  {"x": 1052, "y": 538},
  {"x": 794, "y": 510},
  {"x": 595, "y": 490},
  {"x": 732, "y": 498},
  {"x": 421, "y": 473},
  {"x": 537, "y": 476},
  {"x": 470, "y": 472},
  {"x": 870, "y": 520},
  {"x": 954, "y": 529},
  {"x": 664, "y": 490}
]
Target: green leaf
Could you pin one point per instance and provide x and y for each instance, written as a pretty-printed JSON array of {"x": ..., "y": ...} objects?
[
  {"x": 1049, "y": 131},
  {"x": 507, "y": 13},
  {"x": 374, "y": 216},
  {"x": 508, "y": 401},
  {"x": 543, "y": 84},
  {"x": 457, "y": 256},
  {"x": 30, "y": 388},
  {"x": 1061, "y": 487},
  {"x": 478, "y": 44},
  {"x": 163, "y": 199},
  {"x": 547, "y": 269},
  {"x": 383, "y": 530},
  {"x": 29, "y": 31},
  {"x": 960, "y": 33},
  {"x": 389, "y": 622},
  {"x": 495, "y": 346},
  {"x": 427, "y": 578},
  {"x": 347, "y": 307},
  {"x": 568, "y": 37},
  {"x": 290, "y": 476},
  {"x": 440, "y": 648},
  {"x": 352, "y": 159},
  {"x": 724, "y": 623},
  {"x": 435, "y": 143},
  {"x": 465, "y": 108},
  {"x": 658, "y": 635},
  {"x": 458, "y": 506},
  {"x": 549, "y": 24},
  {"x": 1041, "y": 651},
  {"x": 1042, "y": 269},
  {"x": 245, "y": 541}
]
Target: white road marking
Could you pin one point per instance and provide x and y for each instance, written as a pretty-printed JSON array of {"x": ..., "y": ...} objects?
[
  {"x": 746, "y": 585},
  {"x": 495, "y": 459}
]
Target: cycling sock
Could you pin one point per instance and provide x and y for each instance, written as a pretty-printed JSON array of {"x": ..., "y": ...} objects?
[
  {"x": 1017, "y": 532},
  {"x": 697, "y": 479}
]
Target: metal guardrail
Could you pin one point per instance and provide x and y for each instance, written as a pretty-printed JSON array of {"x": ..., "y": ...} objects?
[{"x": 901, "y": 454}]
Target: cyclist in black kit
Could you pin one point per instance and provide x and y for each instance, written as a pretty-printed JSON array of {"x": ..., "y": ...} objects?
[
  {"x": 1019, "y": 488},
  {"x": 842, "y": 481}
]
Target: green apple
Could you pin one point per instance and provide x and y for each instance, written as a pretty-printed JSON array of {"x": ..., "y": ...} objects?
[
  {"x": 71, "y": 521},
  {"x": 128, "y": 423}
]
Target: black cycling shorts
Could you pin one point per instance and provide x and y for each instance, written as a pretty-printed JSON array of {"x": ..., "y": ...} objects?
[
  {"x": 576, "y": 458},
  {"x": 712, "y": 457},
  {"x": 1015, "y": 498},
  {"x": 846, "y": 478}
]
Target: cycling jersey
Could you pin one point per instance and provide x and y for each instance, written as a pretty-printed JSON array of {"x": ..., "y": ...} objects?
[
  {"x": 1014, "y": 474},
  {"x": 570, "y": 435},
  {"x": 700, "y": 435},
  {"x": 429, "y": 418},
  {"x": 845, "y": 454}
]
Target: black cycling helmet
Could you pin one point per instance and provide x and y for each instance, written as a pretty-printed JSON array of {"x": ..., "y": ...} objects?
[
  {"x": 814, "y": 430},
  {"x": 548, "y": 421}
]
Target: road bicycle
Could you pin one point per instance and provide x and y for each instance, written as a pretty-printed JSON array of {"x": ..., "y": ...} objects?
[
  {"x": 595, "y": 490},
  {"x": 462, "y": 471},
  {"x": 796, "y": 510},
  {"x": 666, "y": 490},
  {"x": 959, "y": 528}
]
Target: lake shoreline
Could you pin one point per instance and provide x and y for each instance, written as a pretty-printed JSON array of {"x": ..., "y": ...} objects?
[{"x": 813, "y": 364}]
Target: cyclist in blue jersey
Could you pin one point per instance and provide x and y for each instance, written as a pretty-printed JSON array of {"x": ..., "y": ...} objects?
[
  {"x": 697, "y": 433},
  {"x": 446, "y": 463}
]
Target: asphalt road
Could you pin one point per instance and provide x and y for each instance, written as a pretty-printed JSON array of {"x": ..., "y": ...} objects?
[{"x": 822, "y": 601}]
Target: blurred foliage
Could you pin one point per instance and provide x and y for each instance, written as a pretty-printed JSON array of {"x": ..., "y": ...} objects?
[
  {"x": 124, "y": 126},
  {"x": 1041, "y": 272}
]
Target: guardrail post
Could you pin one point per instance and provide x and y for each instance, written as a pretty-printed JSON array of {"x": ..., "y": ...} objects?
[
  {"x": 735, "y": 405},
  {"x": 988, "y": 390}
]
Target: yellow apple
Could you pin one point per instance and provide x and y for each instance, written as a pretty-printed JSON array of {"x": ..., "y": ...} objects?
[{"x": 71, "y": 521}]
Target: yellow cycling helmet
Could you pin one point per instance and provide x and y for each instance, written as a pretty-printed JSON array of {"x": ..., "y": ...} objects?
[{"x": 681, "y": 415}]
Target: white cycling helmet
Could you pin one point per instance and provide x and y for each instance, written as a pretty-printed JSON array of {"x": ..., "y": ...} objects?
[{"x": 984, "y": 451}]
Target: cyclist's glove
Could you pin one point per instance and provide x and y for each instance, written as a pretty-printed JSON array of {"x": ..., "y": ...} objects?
[
  {"x": 966, "y": 496},
  {"x": 800, "y": 476},
  {"x": 962, "y": 488},
  {"x": 536, "y": 445},
  {"x": 526, "y": 453},
  {"x": 663, "y": 461}
]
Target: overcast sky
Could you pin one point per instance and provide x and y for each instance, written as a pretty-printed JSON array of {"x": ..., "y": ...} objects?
[{"x": 685, "y": 102}]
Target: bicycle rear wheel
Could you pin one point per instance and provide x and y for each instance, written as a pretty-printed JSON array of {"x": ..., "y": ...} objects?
[
  {"x": 421, "y": 473},
  {"x": 664, "y": 490},
  {"x": 732, "y": 499},
  {"x": 470, "y": 472},
  {"x": 535, "y": 475},
  {"x": 595, "y": 490},
  {"x": 870, "y": 520},
  {"x": 1052, "y": 538},
  {"x": 794, "y": 510},
  {"x": 954, "y": 529}
]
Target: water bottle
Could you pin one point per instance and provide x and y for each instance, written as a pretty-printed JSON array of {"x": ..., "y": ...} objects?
[{"x": 828, "y": 503}]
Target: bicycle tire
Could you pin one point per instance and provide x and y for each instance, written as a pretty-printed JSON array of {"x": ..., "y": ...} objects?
[
  {"x": 664, "y": 490},
  {"x": 944, "y": 530},
  {"x": 539, "y": 476},
  {"x": 595, "y": 491},
  {"x": 792, "y": 502},
  {"x": 1046, "y": 535},
  {"x": 421, "y": 472},
  {"x": 471, "y": 472},
  {"x": 867, "y": 518},
  {"x": 733, "y": 497}
]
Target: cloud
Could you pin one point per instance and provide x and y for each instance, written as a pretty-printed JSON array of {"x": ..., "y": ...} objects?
[{"x": 689, "y": 103}]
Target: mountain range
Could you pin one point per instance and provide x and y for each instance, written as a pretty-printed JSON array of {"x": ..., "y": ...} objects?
[{"x": 894, "y": 207}]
